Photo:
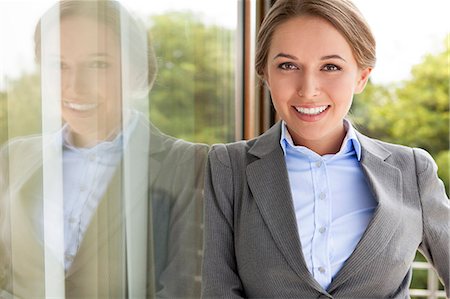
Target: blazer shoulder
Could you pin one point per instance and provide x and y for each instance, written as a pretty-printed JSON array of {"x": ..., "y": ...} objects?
[
  {"x": 400, "y": 155},
  {"x": 229, "y": 153},
  {"x": 423, "y": 160},
  {"x": 177, "y": 151},
  {"x": 22, "y": 153},
  {"x": 387, "y": 150},
  {"x": 22, "y": 145}
]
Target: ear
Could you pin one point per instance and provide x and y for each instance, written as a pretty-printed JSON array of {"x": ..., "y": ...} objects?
[
  {"x": 266, "y": 83},
  {"x": 363, "y": 77},
  {"x": 265, "y": 79}
]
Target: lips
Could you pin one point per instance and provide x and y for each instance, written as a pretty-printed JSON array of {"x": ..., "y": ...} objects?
[{"x": 80, "y": 107}]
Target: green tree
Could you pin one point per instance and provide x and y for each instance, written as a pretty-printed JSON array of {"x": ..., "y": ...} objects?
[
  {"x": 3, "y": 117},
  {"x": 414, "y": 112},
  {"x": 20, "y": 106},
  {"x": 193, "y": 96}
]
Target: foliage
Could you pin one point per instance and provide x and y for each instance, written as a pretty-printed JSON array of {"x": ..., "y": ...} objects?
[
  {"x": 20, "y": 106},
  {"x": 414, "y": 112},
  {"x": 193, "y": 97},
  {"x": 443, "y": 162}
]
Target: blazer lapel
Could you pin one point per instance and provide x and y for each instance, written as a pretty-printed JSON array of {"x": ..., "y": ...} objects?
[
  {"x": 269, "y": 182},
  {"x": 386, "y": 183}
]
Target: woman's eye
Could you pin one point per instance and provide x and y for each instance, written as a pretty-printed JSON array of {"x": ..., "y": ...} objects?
[
  {"x": 287, "y": 66},
  {"x": 331, "y": 68},
  {"x": 57, "y": 64},
  {"x": 99, "y": 64}
]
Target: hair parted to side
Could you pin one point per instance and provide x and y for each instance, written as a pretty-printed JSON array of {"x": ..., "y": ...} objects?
[
  {"x": 112, "y": 14},
  {"x": 342, "y": 14}
]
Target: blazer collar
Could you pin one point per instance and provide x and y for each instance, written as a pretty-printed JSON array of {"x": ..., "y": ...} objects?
[
  {"x": 267, "y": 142},
  {"x": 385, "y": 181},
  {"x": 269, "y": 182}
]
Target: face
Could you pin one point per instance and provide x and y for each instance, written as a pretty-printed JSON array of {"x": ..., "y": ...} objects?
[
  {"x": 312, "y": 75},
  {"x": 89, "y": 62}
]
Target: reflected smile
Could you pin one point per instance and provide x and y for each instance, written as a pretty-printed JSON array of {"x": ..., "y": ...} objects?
[{"x": 79, "y": 107}]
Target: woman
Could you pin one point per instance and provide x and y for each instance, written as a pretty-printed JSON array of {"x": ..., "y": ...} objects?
[
  {"x": 122, "y": 217},
  {"x": 312, "y": 208}
]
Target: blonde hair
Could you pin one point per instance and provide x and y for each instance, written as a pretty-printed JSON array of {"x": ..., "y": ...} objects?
[{"x": 342, "y": 14}]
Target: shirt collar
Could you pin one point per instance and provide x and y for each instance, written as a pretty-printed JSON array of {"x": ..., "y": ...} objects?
[
  {"x": 350, "y": 143},
  {"x": 113, "y": 145}
]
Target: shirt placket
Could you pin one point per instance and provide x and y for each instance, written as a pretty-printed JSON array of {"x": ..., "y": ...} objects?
[
  {"x": 85, "y": 184},
  {"x": 322, "y": 211}
]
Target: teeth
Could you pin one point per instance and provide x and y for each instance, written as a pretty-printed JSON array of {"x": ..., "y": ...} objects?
[
  {"x": 311, "y": 111},
  {"x": 79, "y": 107}
]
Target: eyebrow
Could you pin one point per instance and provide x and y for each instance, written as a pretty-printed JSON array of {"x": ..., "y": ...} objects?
[
  {"x": 90, "y": 55},
  {"x": 99, "y": 54},
  {"x": 335, "y": 56},
  {"x": 284, "y": 55}
]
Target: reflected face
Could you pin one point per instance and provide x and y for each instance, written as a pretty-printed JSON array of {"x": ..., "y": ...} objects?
[
  {"x": 312, "y": 75},
  {"x": 90, "y": 78}
]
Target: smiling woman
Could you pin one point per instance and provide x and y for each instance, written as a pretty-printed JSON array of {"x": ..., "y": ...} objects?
[
  {"x": 101, "y": 204},
  {"x": 312, "y": 208},
  {"x": 90, "y": 80}
]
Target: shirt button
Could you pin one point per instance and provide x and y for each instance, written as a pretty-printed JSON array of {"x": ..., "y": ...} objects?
[
  {"x": 69, "y": 258},
  {"x": 322, "y": 270},
  {"x": 322, "y": 229},
  {"x": 72, "y": 220},
  {"x": 319, "y": 164},
  {"x": 92, "y": 157},
  {"x": 322, "y": 195}
]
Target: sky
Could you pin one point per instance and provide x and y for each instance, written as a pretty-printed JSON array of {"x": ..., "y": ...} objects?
[{"x": 405, "y": 30}]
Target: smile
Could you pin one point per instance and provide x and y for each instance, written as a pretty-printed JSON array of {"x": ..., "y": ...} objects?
[
  {"x": 79, "y": 107},
  {"x": 311, "y": 111}
]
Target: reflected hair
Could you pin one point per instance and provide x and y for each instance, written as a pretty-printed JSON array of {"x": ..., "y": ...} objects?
[
  {"x": 113, "y": 15},
  {"x": 342, "y": 14}
]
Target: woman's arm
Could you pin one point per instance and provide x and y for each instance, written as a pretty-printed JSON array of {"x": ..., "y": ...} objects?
[
  {"x": 436, "y": 217},
  {"x": 220, "y": 275}
]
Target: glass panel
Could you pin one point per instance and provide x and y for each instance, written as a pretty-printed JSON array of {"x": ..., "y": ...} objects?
[{"x": 105, "y": 109}]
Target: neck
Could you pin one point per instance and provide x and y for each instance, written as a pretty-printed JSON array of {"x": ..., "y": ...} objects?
[
  {"x": 91, "y": 139},
  {"x": 330, "y": 144}
]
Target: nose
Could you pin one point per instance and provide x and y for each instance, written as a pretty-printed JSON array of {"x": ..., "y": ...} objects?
[
  {"x": 308, "y": 86},
  {"x": 74, "y": 81}
]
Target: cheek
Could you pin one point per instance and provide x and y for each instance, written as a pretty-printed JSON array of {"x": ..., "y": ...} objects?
[
  {"x": 340, "y": 90},
  {"x": 282, "y": 88},
  {"x": 107, "y": 85}
]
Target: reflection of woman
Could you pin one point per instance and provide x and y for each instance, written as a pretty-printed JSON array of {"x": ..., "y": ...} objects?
[
  {"x": 130, "y": 205},
  {"x": 312, "y": 208}
]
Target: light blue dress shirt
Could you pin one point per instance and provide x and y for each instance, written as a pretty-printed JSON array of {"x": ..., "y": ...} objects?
[
  {"x": 86, "y": 176},
  {"x": 332, "y": 200}
]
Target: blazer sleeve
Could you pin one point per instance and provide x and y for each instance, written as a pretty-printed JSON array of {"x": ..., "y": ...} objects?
[
  {"x": 180, "y": 273},
  {"x": 220, "y": 277},
  {"x": 435, "y": 216}
]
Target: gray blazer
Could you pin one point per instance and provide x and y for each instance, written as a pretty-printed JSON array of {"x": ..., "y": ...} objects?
[
  {"x": 173, "y": 188},
  {"x": 252, "y": 248}
]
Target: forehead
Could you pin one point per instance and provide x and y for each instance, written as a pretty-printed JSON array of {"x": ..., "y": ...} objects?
[
  {"x": 307, "y": 34},
  {"x": 86, "y": 34}
]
